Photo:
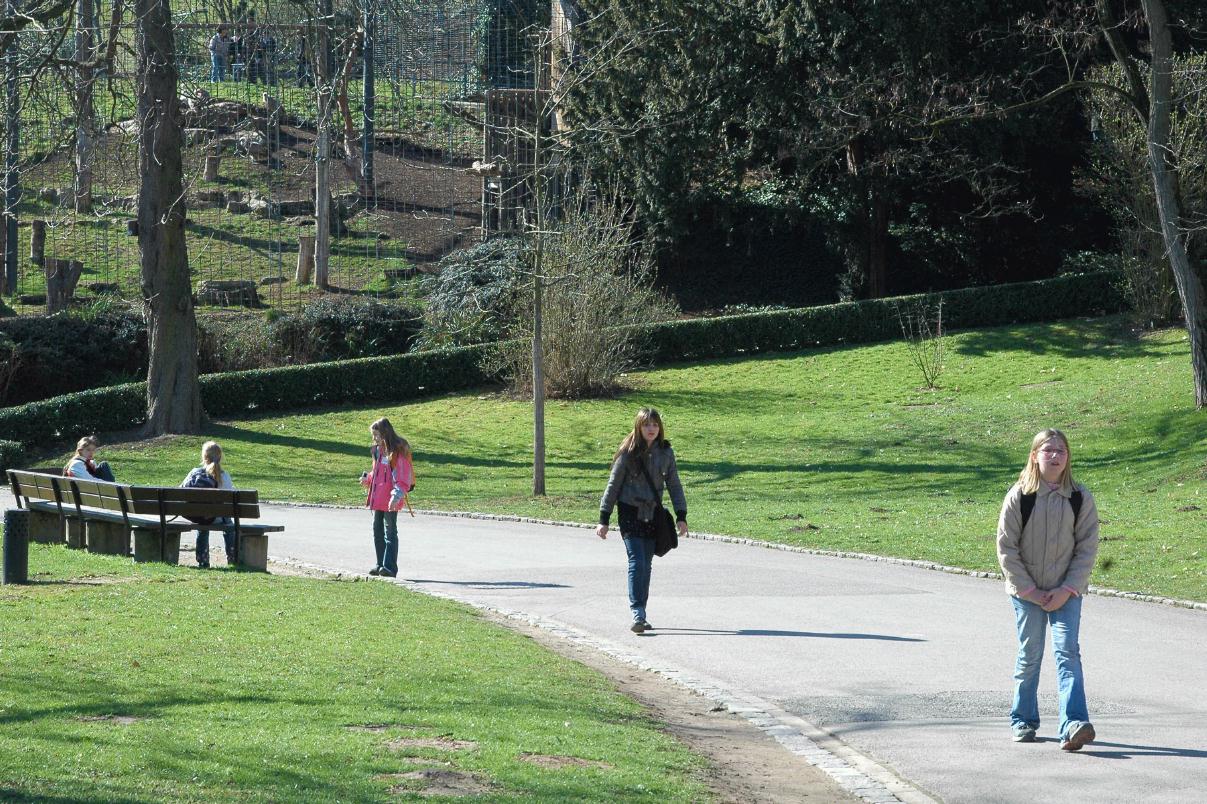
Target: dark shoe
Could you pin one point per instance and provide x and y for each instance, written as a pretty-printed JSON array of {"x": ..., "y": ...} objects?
[
  {"x": 385, "y": 574},
  {"x": 1077, "y": 735},
  {"x": 640, "y": 627},
  {"x": 1023, "y": 733},
  {"x": 375, "y": 571}
]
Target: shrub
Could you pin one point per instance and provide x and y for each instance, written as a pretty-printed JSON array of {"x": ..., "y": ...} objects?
[
  {"x": 11, "y": 455},
  {"x": 72, "y": 350},
  {"x": 67, "y": 417},
  {"x": 469, "y": 298},
  {"x": 597, "y": 285},
  {"x": 339, "y": 327}
]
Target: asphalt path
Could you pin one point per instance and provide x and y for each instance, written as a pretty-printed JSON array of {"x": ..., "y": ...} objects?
[{"x": 909, "y": 668}]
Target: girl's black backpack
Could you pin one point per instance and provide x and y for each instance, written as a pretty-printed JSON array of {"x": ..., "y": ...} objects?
[{"x": 199, "y": 479}]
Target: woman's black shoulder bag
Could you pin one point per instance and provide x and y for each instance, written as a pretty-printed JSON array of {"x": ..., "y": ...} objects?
[{"x": 666, "y": 537}]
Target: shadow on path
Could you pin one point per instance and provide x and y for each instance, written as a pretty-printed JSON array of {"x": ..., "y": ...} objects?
[
  {"x": 772, "y": 632},
  {"x": 1128, "y": 751},
  {"x": 493, "y": 584}
]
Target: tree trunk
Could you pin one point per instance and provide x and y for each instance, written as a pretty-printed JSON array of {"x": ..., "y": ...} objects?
[
  {"x": 173, "y": 393},
  {"x": 61, "y": 279},
  {"x": 877, "y": 241},
  {"x": 1169, "y": 206},
  {"x": 85, "y": 129}
]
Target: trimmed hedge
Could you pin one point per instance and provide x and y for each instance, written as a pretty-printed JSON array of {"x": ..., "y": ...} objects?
[
  {"x": 402, "y": 377},
  {"x": 11, "y": 455},
  {"x": 876, "y": 319},
  {"x": 123, "y": 407}
]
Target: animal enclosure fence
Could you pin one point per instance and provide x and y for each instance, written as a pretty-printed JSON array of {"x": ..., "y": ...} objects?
[{"x": 400, "y": 103}]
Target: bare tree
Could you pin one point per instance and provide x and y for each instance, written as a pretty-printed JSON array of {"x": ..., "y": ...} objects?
[
  {"x": 1149, "y": 93},
  {"x": 173, "y": 391}
]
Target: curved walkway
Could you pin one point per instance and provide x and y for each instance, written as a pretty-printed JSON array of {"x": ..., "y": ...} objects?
[{"x": 894, "y": 679}]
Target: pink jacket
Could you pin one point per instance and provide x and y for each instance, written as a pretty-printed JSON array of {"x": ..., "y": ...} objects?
[{"x": 387, "y": 481}]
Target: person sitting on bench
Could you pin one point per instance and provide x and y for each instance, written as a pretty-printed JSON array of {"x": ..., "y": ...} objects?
[{"x": 82, "y": 466}]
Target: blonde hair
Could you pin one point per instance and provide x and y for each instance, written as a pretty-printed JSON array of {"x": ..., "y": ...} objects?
[
  {"x": 211, "y": 456},
  {"x": 634, "y": 442},
  {"x": 80, "y": 446},
  {"x": 395, "y": 444},
  {"x": 1029, "y": 478}
]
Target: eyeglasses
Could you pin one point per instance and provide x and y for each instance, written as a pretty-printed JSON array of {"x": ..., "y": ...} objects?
[{"x": 1053, "y": 451}]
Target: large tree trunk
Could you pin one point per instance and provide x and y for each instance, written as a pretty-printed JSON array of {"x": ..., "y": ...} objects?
[
  {"x": 1169, "y": 207},
  {"x": 173, "y": 394},
  {"x": 85, "y": 133}
]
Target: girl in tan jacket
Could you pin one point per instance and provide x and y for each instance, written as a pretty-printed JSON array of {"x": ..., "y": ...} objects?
[{"x": 1047, "y": 540}]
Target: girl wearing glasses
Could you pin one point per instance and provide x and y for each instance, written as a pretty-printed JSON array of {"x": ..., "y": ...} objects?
[{"x": 1047, "y": 540}]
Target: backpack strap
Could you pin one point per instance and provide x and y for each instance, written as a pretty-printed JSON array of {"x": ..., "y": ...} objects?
[{"x": 1027, "y": 505}]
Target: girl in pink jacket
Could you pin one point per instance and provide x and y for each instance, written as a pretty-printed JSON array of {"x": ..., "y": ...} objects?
[{"x": 388, "y": 483}]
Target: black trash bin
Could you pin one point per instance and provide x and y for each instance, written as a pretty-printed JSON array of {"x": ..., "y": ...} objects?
[{"x": 16, "y": 546}]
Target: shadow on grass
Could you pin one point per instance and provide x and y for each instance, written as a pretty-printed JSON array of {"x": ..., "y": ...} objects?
[
  {"x": 1098, "y": 338},
  {"x": 15, "y": 794}
]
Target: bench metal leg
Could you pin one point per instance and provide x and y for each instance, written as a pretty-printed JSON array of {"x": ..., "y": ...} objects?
[
  {"x": 108, "y": 538},
  {"x": 253, "y": 551},
  {"x": 45, "y": 528},
  {"x": 76, "y": 534},
  {"x": 149, "y": 545}
]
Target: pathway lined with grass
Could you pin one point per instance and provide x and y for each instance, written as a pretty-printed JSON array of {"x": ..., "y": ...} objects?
[
  {"x": 905, "y": 673},
  {"x": 831, "y": 448}
]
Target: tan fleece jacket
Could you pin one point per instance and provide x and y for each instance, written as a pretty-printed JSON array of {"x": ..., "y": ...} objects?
[{"x": 1049, "y": 553}]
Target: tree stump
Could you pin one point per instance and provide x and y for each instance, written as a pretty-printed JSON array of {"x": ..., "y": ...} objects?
[
  {"x": 305, "y": 259},
  {"x": 61, "y": 279},
  {"x": 228, "y": 292},
  {"x": 37, "y": 242},
  {"x": 211, "y": 166}
]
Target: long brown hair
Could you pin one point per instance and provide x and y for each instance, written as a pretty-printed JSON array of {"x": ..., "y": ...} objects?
[
  {"x": 634, "y": 442},
  {"x": 396, "y": 445},
  {"x": 1029, "y": 478}
]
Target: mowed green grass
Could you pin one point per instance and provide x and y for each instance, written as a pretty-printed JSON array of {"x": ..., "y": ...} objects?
[
  {"x": 124, "y": 682},
  {"x": 834, "y": 448}
]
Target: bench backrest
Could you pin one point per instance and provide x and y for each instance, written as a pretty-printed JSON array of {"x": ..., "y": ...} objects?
[
  {"x": 159, "y": 501},
  {"x": 172, "y": 501}
]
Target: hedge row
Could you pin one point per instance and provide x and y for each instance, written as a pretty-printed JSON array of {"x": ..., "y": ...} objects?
[
  {"x": 11, "y": 455},
  {"x": 402, "y": 377},
  {"x": 123, "y": 407},
  {"x": 879, "y": 319}
]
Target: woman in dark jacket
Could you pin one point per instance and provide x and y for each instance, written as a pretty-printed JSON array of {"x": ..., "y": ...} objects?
[{"x": 643, "y": 466}]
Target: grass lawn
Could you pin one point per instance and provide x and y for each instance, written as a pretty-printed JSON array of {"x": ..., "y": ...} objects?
[
  {"x": 832, "y": 448},
  {"x": 124, "y": 682}
]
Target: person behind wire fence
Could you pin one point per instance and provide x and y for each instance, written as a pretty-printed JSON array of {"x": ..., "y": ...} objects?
[
  {"x": 1047, "y": 541},
  {"x": 220, "y": 51},
  {"x": 210, "y": 474},
  {"x": 388, "y": 483},
  {"x": 642, "y": 467}
]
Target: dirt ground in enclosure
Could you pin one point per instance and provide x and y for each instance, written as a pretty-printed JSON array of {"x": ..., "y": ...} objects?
[
  {"x": 424, "y": 199},
  {"x": 745, "y": 765}
]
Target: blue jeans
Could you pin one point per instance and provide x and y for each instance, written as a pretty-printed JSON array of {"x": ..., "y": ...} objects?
[
  {"x": 1032, "y": 620},
  {"x": 203, "y": 543},
  {"x": 385, "y": 541},
  {"x": 639, "y": 544},
  {"x": 217, "y": 68}
]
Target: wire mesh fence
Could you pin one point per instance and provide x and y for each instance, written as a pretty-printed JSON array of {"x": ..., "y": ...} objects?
[{"x": 411, "y": 91}]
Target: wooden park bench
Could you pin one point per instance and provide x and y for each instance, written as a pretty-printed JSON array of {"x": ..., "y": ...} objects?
[{"x": 102, "y": 517}]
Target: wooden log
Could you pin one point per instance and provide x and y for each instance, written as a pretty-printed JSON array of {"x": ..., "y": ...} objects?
[
  {"x": 211, "y": 166},
  {"x": 37, "y": 242},
  {"x": 305, "y": 259},
  {"x": 61, "y": 279}
]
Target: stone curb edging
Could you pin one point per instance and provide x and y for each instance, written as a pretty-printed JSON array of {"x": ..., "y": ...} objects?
[
  {"x": 790, "y": 548},
  {"x": 852, "y": 771}
]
